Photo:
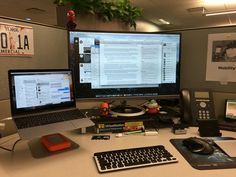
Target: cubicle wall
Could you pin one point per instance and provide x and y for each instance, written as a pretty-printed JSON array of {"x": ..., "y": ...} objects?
[
  {"x": 50, "y": 51},
  {"x": 194, "y": 59},
  {"x": 193, "y": 66}
]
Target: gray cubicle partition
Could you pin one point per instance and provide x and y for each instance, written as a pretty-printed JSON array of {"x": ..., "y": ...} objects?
[
  {"x": 193, "y": 66},
  {"x": 50, "y": 51},
  {"x": 194, "y": 59}
]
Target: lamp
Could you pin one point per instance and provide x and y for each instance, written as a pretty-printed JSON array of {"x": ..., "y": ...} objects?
[{"x": 219, "y": 13}]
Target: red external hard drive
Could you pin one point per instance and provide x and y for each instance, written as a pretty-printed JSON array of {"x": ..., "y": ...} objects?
[{"x": 55, "y": 142}]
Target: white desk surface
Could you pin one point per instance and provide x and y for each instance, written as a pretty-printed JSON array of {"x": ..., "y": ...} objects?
[{"x": 80, "y": 163}]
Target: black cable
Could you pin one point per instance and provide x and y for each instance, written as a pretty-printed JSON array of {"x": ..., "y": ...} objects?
[
  {"x": 13, "y": 147},
  {"x": 5, "y": 149}
]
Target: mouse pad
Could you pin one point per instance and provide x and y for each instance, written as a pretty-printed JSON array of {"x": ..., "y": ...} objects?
[{"x": 217, "y": 160}]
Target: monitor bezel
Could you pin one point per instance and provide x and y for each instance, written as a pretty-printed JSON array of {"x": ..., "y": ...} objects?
[
  {"x": 19, "y": 111},
  {"x": 229, "y": 119},
  {"x": 164, "y": 96}
]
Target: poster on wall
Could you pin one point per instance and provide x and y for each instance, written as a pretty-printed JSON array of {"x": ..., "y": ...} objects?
[
  {"x": 16, "y": 40},
  {"x": 221, "y": 57}
]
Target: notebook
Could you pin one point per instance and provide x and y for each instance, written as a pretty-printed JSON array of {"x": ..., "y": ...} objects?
[{"x": 37, "y": 95}]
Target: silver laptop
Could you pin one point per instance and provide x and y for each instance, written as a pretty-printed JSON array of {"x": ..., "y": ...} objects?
[{"x": 43, "y": 102}]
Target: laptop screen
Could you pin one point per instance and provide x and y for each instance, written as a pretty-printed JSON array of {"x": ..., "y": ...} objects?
[{"x": 35, "y": 90}]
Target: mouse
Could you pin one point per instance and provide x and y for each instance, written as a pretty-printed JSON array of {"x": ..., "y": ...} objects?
[{"x": 198, "y": 145}]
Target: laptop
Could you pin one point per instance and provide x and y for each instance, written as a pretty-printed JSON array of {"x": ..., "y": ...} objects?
[{"x": 43, "y": 102}]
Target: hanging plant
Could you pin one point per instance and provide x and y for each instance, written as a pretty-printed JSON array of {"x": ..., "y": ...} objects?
[{"x": 107, "y": 10}]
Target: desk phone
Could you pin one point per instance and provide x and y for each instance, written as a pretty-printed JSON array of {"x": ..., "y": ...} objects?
[{"x": 197, "y": 106}]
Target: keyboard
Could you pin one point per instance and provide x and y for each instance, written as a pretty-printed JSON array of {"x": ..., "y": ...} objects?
[
  {"x": 48, "y": 118},
  {"x": 133, "y": 157}
]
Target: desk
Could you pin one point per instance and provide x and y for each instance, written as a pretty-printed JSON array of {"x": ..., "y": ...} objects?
[{"x": 80, "y": 163}]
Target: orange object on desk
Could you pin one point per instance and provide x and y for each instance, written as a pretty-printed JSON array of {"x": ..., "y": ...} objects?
[
  {"x": 55, "y": 142},
  {"x": 104, "y": 109}
]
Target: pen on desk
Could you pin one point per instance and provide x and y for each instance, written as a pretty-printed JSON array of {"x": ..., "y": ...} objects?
[{"x": 134, "y": 132}]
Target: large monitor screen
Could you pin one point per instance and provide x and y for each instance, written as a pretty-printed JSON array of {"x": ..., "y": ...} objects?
[{"x": 124, "y": 64}]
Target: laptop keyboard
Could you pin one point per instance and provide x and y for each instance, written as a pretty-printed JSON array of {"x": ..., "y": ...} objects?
[
  {"x": 44, "y": 119},
  {"x": 131, "y": 158}
]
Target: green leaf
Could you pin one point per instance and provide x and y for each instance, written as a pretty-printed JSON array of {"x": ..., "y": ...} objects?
[{"x": 106, "y": 9}]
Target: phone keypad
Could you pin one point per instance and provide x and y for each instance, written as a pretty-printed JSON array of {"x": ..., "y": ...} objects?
[{"x": 204, "y": 114}]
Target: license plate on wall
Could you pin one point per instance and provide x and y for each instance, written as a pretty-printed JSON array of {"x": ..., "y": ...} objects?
[{"x": 16, "y": 40}]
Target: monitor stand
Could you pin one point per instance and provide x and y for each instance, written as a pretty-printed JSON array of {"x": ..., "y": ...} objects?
[
  {"x": 125, "y": 110},
  {"x": 39, "y": 150}
]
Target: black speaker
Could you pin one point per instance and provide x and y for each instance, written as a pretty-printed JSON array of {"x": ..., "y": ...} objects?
[{"x": 209, "y": 128}]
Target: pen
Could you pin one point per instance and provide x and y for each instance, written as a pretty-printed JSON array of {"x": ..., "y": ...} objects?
[{"x": 133, "y": 132}]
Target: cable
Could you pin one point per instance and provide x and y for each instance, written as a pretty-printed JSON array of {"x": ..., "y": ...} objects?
[
  {"x": 7, "y": 118},
  {"x": 7, "y": 140},
  {"x": 13, "y": 147},
  {"x": 2, "y": 125}
]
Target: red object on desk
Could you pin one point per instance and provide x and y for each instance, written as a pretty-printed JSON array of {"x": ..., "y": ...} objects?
[
  {"x": 104, "y": 109},
  {"x": 55, "y": 142},
  {"x": 152, "y": 107}
]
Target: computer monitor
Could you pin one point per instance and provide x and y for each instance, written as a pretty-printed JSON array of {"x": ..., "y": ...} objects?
[{"x": 112, "y": 65}]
